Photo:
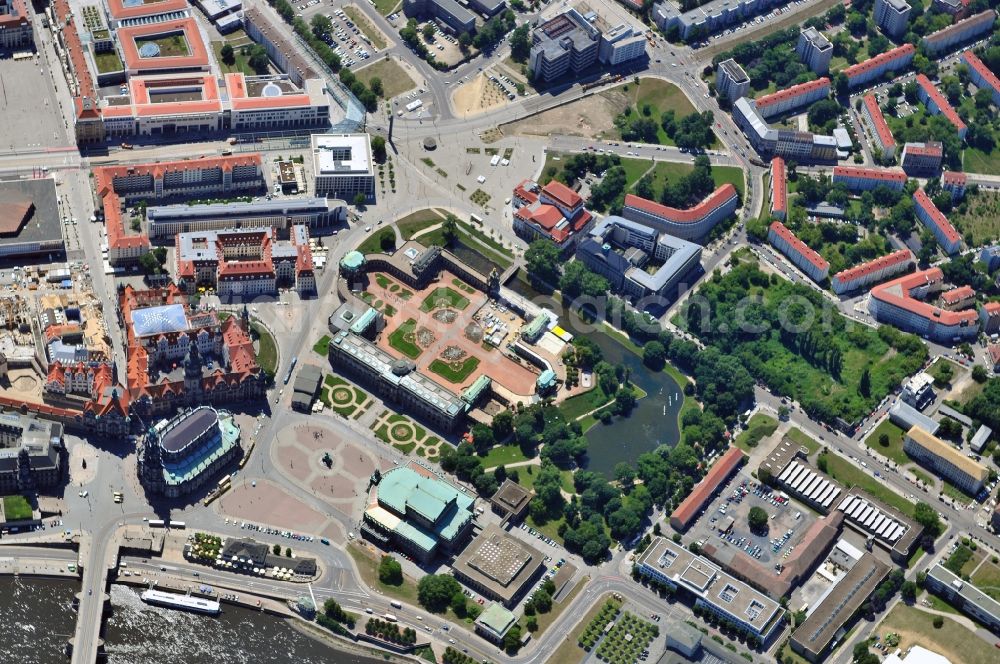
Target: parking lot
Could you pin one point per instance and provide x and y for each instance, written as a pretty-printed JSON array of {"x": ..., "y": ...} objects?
[
  {"x": 725, "y": 523},
  {"x": 345, "y": 38}
]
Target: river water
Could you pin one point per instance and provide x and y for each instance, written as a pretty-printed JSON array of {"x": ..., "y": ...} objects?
[
  {"x": 37, "y": 618},
  {"x": 652, "y": 423}
]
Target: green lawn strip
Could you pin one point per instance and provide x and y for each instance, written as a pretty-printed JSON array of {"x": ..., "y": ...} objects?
[
  {"x": 953, "y": 492},
  {"x": 938, "y": 604},
  {"x": 952, "y": 639},
  {"x": 915, "y": 557},
  {"x": 368, "y": 568},
  {"x": 241, "y": 64},
  {"x": 503, "y": 455},
  {"x": 108, "y": 61},
  {"x": 417, "y": 221},
  {"x": 322, "y": 346},
  {"x": 373, "y": 243},
  {"x": 850, "y": 475},
  {"x": 665, "y": 171},
  {"x": 922, "y": 476},
  {"x": 546, "y": 619},
  {"x": 16, "y": 508},
  {"x": 455, "y": 375},
  {"x": 395, "y": 80},
  {"x": 894, "y": 450},
  {"x": 398, "y": 341},
  {"x": 758, "y": 428},
  {"x": 444, "y": 296},
  {"x": 267, "y": 353},
  {"x": 804, "y": 439},
  {"x": 385, "y": 7}
]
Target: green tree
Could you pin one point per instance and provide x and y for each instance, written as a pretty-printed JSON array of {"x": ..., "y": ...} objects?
[
  {"x": 512, "y": 640},
  {"x": 449, "y": 229},
  {"x": 542, "y": 260},
  {"x": 288, "y": 552},
  {"x": 359, "y": 199},
  {"x": 428, "y": 32},
  {"x": 979, "y": 373},
  {"x": 908, "y": 592},
  {"x": 883, "y": 439},
  {"x": 654, "y": 355},
  {"x": 228, "y": 56},
  {"x": 378, "y": 148},
  {"x": 542, "y": 601},
  {"x": 520, "y": 43},
  {"x": 375, "y": 85},
  {"x": 757, "y": 519},
  {"x": 321, "y": 25},
  {"x": 865, "y": 384},
  {"x": 502, "y": 424},
  {"x": 390, "y": 572},
  {"x": 276, "y": 549},
  {"x": 435, "y": 591},
  {"x": 927, "y": 517},
  {"x": 257, "y": 58}
]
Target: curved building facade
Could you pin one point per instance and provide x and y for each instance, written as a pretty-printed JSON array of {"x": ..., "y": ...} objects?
[{"x": 692, "y": 224}]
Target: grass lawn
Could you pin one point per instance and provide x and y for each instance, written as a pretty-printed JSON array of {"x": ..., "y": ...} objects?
[
  {"x": 662, "y": 97},
  {"x": 952, "y": 640},
  {"x": 367, "y": 562},
  {"x": 894, "y": 450},
  {"x": 922, "y": 476},
  {"x": 850, "y": 475},
  {"x": 108, "y": 62},
  {"x": 635, "y": 169},
  {"x": 267, "y": 352},
  {"x": 417, "y": 221},
  {"x": 981, "y": 215},
  {"x": 240, "y": 63},
  {"x": 170, "y": 45},
  {"x": 569, "y": 650},
  {"x": 987, "y": 579},
  {"x": 956, "y": 494},
  {"x": 395, "y": 80},
  {"x": 373, "y": 244},
  {"x": 399, "y": 341},
  {"x": 546, "y": 619},
  {"x": 16, "y": 508},
  {"x": 502, "y": 455},
  {"x": 366, "y": 27},
  {"x": 444, "y": 297},
  {"x": 581, "y": 404},
  {"x": 938, "y": 604},
  {"x": 976, "y": 161},
  {"x": 666, "y": 170},
  {"x": 759, "y": 427},
  {"x": 385, "y": 7},
  {"x": 804, "y": 439},
  {"x": 452, "y": 373},
  {"x": 526, "y": 478},
  {"x": 323, "y": 345}
]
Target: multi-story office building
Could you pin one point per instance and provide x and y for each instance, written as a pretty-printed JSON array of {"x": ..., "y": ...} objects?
[
  {"x": 945, "y": 460},
  {"x": 865, "y": 179},
  {"x": 453, "y": 14},
  {"x": 700, "y": 22},
  {"x": 117, "y": 186},
  {"x": 779, "y": 189},
  {"x": 872, "y": 272},
  {"x": 954, "y": 183},
  {"x": 798, "y": 252},
  {"x": 922, "y": 159},
  {"x": 343, "y": 166},
  {"x": 969, "y": 599},
  {"x": 692, "y": 224},
  {"x": 815, "y": 50},
  {"x": 963, "y": 31},
  {"x": 894, "y": 60},
  {"x": 802, "y": 146},
  {"x": 15, "y": 25},
  {"x": 553, "y": 212},
  {"x": 878, "y": 129},
  {"x": 791, "y": 98},
  {"x": 731, "y": 81},
  {"x": 621, "y": 44},
  {"x": 625, "y": 252},
  {"x": 570, "y": 42},
  {"x": 31, "y": 453},
  {"x": 892, "y": 16},
  {"x": 179, "y": 455},
  {"x": 750, "y": 611},
  {"x": 936, "y": 103},
  {"x": 319, "y": 214},
  {"x": 245, "y": 262},
  {"x": 122, "y": 13},
  {"x": 900, "y": 303},
  {"x": 929, "y": 214},
  {"x": 981, "y": 76}
]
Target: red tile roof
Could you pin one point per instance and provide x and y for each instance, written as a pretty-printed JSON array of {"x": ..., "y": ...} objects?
[
  {"x": 241, "y": 101},
  {"x": 921, "y": 198},
  {"x": 799, "y": 246},
  {"x": 779, "y": 185},
  {"x": 19, "y": 16},
  {"x": 197, "y": 57},
  {"x": 74, "y": 46},
  {"x": 878, "y": 120},
  {"x": 973, "y": 61},
  {"x": 958, "y": 294},
  {"x": 897, "y": 293},
  {"x": 792, "y": 92},
  {"x": 522, "y": 193},
  {"x": 562, "y": 194},
  {"x": 880, "y": 263},
  {"x": 703, "y": 491},
  {"x": 992, "y": 308},
  {"x": 946, "y": 109},
  {"x": 884, "y": 174},
  {"x": 879, "y": 60},
  {"x": 692, "y": 215},
  {"x": 930, "y": 149},
  {"x": 953, "y": 178},
  {"x": 994, "y": 351}
]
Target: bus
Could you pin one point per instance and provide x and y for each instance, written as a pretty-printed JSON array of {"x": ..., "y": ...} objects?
[
  {"x": 225, "y": 482},
  {"x": 155, "y": 523},
  {"x": 291, "y": 368},
  {"x": 396, "y": 604},
  {"x": 476, "y": 219},
  {"x": 179, "y": 525},
  {"x": 390, "y": 617}
]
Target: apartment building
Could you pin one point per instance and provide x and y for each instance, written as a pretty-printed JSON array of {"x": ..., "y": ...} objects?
[
  {"x": 878, "y": 129},
  {"x": 750, "y": 611},
  {"x": 989, "y": 316},
  {"x": 892, "y": 16},
  {"x": 981, "y": 76},
  {"x": 553, "y": 212},
  {"x": 815, "y": 50},
  {"x": 861, "y": 276},
  {"x": 962, "y": 297},
  {"x": 319, "y": 214},
  {"x": 936, "y": 104},
  {"x": 963, "y": 31},
  {"x": 894, "y": 60},
  {"x": 802, "y": 146},
  {"x": 692, "y": 224},
  {"x": 866, "y": 179},
  {"x": 621, "y": 44},
  {"x": 991, "y": 257},
  {"x": 804, "y": 258},
  {"x": 954, "y": 183},
  {"x": 959, "y": 9},
  {"x": 783, "y": 101},
  {"x": 945, "y": 460},
  {"x": 922, "y": 159},
  {"x": 343, "y": 166},
  {"x": 702, "y": 21},
  {"x": 931, "y": 217},
  {"x": 779, "y": 189},
  {"x": 731, "y": 81},
  {"x": 900, "y": 302}
]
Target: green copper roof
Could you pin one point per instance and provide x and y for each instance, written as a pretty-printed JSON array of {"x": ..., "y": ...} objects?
[{"x": 352, "y": 260}]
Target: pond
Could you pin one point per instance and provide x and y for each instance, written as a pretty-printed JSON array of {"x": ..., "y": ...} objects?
[{"x": 652, "y": 423}]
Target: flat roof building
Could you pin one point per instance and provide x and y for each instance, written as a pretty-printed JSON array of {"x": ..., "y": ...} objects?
[
  {"x": 689, "y": 509},
  {"x": 511, "y": 500},
  {"x": 494, "y": 623},
  {"x": 701, "y": 21},
  {"x": 731, "y": 81},
  {"x": 451, "y": 13},
  {"x": 964, "y": 596},
  {"x": 815, "y": 50},
  {"x": 31, "y": 453},
  {"x": 801, "y": 146},
  {"x": 564, "y": 43},
  {"x": 320, "y": 215},
  {"x": 891, "y": 16},
  {"x": 343, "y": 165},
  {"x": 29, "y": 219},
  {"x": 942, "y": 458},
  {"x": 499, "y": 566},
  {"x": 906, "y": 417}
]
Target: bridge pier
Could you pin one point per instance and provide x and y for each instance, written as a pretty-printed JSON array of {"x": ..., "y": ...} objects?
[{"x": 105, "y": 603}]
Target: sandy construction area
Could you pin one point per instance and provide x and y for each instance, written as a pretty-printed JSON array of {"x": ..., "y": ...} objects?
[
  {"x": 476, "y": 96},
  {"x": 590, "y": 117}
]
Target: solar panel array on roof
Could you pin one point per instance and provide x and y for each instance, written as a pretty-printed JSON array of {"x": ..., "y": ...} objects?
[
  {"x": 808, "y": 484},
  {"x": 872, "y": 519}
]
